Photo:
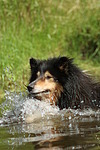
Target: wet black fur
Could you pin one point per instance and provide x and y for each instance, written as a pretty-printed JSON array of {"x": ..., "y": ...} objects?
[{"x": 79, "y": 90}]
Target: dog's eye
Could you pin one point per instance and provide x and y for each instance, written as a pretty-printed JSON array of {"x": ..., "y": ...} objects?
[{"x": 48, "y": 77}]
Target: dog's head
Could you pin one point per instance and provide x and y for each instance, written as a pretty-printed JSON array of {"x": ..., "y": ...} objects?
[{"x": 47, "y": 78}]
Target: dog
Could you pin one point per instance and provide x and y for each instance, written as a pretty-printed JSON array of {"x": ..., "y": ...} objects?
[{"x": 60, "y": 82}]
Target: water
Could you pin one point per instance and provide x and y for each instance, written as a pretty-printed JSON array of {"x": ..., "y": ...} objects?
[{"x": 32, "y": 124}]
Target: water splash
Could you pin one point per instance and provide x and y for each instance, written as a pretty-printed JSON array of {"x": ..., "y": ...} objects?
[{"x": 18, "y": 108}]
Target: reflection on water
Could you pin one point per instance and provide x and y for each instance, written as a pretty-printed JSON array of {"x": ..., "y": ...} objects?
[{"x": 31, "y": 124}]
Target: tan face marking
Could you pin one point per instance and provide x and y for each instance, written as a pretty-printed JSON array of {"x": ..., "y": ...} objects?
[
  {"x": 48, "y": 76},
  {"x": 38, "y": 73},
  {"x": 47, "y": 83}
]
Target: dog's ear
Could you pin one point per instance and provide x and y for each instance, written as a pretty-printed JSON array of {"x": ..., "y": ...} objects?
[
  {"x": 33, "y": 63},
  {"x": 63, "y": 63}
]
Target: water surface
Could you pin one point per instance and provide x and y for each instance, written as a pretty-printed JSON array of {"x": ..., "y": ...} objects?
[{"x": 32, "y": 124}]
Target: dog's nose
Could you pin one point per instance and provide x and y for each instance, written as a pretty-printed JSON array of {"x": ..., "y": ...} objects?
[{"x": 29, "y": 88}]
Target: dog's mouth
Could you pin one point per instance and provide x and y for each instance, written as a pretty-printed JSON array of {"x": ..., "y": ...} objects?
[
  {"x": 40, "y": 92},
  {"x": 40, "y": 95}
]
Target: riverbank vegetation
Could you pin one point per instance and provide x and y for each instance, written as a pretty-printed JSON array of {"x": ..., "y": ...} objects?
[{"x": 43, "y": 29}]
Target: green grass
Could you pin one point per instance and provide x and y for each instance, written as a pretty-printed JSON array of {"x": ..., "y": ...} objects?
[{"x": 43, "y": 29}]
